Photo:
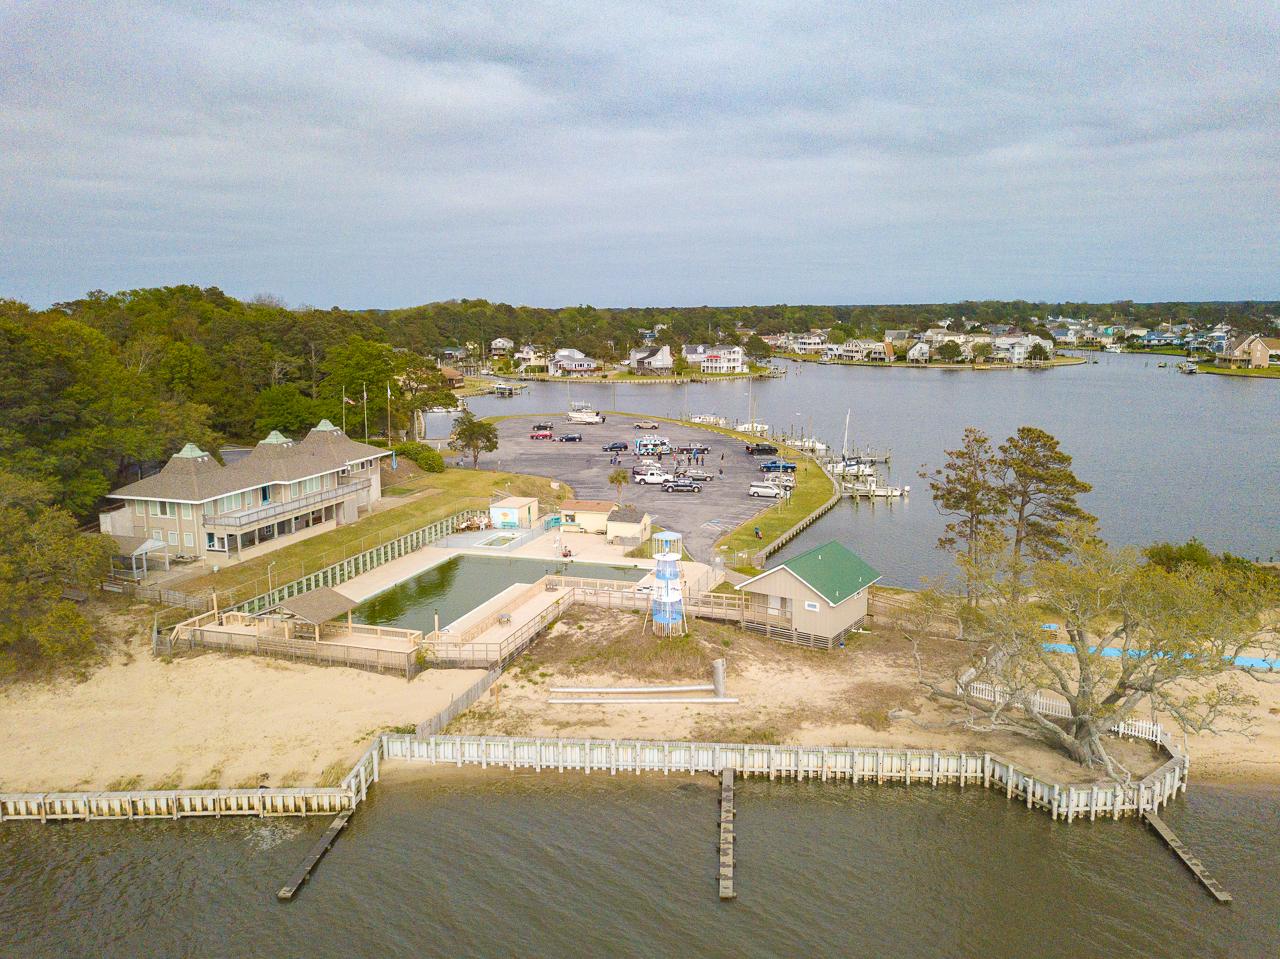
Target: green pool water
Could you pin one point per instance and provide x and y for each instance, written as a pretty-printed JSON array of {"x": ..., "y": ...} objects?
[{"x": 461, "y": 584}]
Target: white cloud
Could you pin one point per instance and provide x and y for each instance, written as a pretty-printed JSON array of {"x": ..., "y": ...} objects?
[{"x": 391, "y": 153}]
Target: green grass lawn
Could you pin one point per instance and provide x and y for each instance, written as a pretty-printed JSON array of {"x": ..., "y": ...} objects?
[
  {"x": 442, "y": 494},
  {"x": 1265, "y": 372},
  {"x": 813, "y": 489}
]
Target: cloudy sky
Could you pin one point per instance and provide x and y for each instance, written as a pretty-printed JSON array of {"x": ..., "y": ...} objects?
[{"x": 383, "y": 154}]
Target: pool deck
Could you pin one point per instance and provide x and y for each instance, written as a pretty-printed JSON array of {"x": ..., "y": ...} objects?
[
  {"x": 585, "y": 547},
  {"x": 515, "y": 600}
]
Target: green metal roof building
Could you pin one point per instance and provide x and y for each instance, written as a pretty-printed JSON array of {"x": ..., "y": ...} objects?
[{"x": 822, "y": 593}]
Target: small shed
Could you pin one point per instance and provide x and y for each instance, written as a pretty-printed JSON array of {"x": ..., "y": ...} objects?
[
  {"x": 586, "y": 515},
  {"x": 628, "y": 526},
  {"x": 514, "y": 512},
  {"x": 823, "y": 591},
  {"x": 452, "y": 378}
]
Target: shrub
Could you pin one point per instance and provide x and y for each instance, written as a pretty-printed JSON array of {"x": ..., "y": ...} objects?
[{"x": 425, "y": 457}]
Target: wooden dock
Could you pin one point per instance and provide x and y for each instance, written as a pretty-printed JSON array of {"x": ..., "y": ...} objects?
[
  {"x": 1191, "y": 862},
  {"x": 726, "y": 834},
  {"x": 314, "y": 855}
]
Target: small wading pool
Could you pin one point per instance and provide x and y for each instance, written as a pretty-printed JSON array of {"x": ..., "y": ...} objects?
[
  {"x": 459, "y": 585},
  {"x": 499, "y": 539}
]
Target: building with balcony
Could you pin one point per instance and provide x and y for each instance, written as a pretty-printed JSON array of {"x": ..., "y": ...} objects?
[{"x": 279, "y": 492}]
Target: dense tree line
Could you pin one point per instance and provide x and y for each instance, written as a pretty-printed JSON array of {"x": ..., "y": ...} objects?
[{"x": 99, "y": 388}]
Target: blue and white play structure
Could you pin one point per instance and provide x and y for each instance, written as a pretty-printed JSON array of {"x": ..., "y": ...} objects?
[{"x": 667, "y": 608}]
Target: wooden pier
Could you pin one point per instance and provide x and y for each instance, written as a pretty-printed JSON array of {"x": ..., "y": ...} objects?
[
  {"x": 1191, "y": 862},
  {"x": 290, "y": 888},
  {"x": 726, "y": 834}
]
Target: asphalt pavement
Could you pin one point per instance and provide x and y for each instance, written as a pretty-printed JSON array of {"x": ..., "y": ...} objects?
[{"x": 702, "y": 517}]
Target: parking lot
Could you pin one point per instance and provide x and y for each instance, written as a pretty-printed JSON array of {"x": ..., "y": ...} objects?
[{"x": 702, "y": 517}]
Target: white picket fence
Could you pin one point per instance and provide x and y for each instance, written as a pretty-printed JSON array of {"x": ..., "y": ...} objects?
[{"x": 1049, "y": 705}]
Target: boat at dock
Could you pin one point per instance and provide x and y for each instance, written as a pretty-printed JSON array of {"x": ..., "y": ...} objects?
[
  {"x": 708, "y": 419},
  {"x": 873, "y": 489},
  {"x": 1186, "y": 366},
  {"x": 755, "y": 429}
]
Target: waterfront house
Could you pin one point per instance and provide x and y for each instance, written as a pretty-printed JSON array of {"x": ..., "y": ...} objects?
[
  {"x": 918, "y": 353},
  {"x": 1251, "y": 351},
  {"x": 452, "y": 378},
  {"x": 811, "y": 343},
  {"x": 453, "y": 353},
  {"x": 282, "y": 491},
  {"x": 898, "y": 338},
  {"x": 501, "y": 346},
  {"x": 1016, "y": 348},
  {"x": 694, "y": 353},
  {"x": 651, "y": 359},
  {"x": 823, "y": 592},
  {"x": 586, "y": 515},
  {"x": 724, "y": 359},
  {"x": 571, "y": 362}
]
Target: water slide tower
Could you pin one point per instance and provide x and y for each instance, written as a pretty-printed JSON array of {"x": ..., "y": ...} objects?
[{"x": 667, "y": 608}]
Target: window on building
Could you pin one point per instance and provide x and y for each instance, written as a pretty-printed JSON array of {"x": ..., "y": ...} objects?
[
  {"x": 810, "y": 606},
  {"x": 188, "y": 540},
  {"x": 158, "y": 534},
  {"x": 139, "y": 508},
  {"x": 186, "y": 511},
  {"x": 173, "y": 537}
]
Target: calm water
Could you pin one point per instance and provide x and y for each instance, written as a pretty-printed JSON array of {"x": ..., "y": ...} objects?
[
  {"x": 463, "y": 583},
  {"x": 1169, "y": 456},
  {"x": 564, "y": 865},
  {"x": 569, "y": 866}
]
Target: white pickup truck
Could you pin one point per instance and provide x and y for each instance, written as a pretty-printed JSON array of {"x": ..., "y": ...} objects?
[{"x": 652, "y": 478}]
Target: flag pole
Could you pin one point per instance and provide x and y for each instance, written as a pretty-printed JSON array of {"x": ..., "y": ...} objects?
[{"x": 364, "y": 391}]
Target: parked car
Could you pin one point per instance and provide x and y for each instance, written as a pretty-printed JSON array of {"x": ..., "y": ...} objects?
[
  {"x": 693, "y": 448},
  {"x": 693, "y": 473},
  {"x": 784, "y": 480},
  {"x": 541, "y": 435},
  {"x": 570, "y": 438},
  {"x": 777, "y": 466},
  {"x": 765, "y": 489},
  {"x": 762, "y": 449},
  {"x": 616, "y": 447},
  {"x": 681, "y": 484},
  {"x": 541, "y": 427},
  {"x": 652, "y": 478},
  {"x": 646, "y": 425}
]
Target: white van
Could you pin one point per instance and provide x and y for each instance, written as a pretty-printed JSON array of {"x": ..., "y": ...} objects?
[{"x": 765, "y": 489}]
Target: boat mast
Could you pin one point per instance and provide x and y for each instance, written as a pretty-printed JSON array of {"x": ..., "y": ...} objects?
[{"x": 844, "y": 449}]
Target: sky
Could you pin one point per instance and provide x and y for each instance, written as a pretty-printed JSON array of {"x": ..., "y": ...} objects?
[{"x": 388, "y": 154}]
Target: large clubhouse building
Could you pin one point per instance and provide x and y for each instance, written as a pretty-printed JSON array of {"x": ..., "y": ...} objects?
[{"x": 198, "y": 508}]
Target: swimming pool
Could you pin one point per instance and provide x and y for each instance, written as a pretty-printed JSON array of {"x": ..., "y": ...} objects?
[{"x": 459, "y": 585}]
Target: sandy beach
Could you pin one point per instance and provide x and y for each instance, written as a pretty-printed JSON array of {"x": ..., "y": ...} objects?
[
  {"x": 207, "y": 720},
  {"x": 866, "y": 694}
]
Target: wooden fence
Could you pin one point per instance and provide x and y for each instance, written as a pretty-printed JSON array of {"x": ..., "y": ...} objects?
[
  {"x": 338, "y": 571},
  {"x": 361, "y": 562},
  {"x": 826, "y": 763}
]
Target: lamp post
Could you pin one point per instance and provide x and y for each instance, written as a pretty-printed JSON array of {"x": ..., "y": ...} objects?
[{"x": 269, "y": 565}]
